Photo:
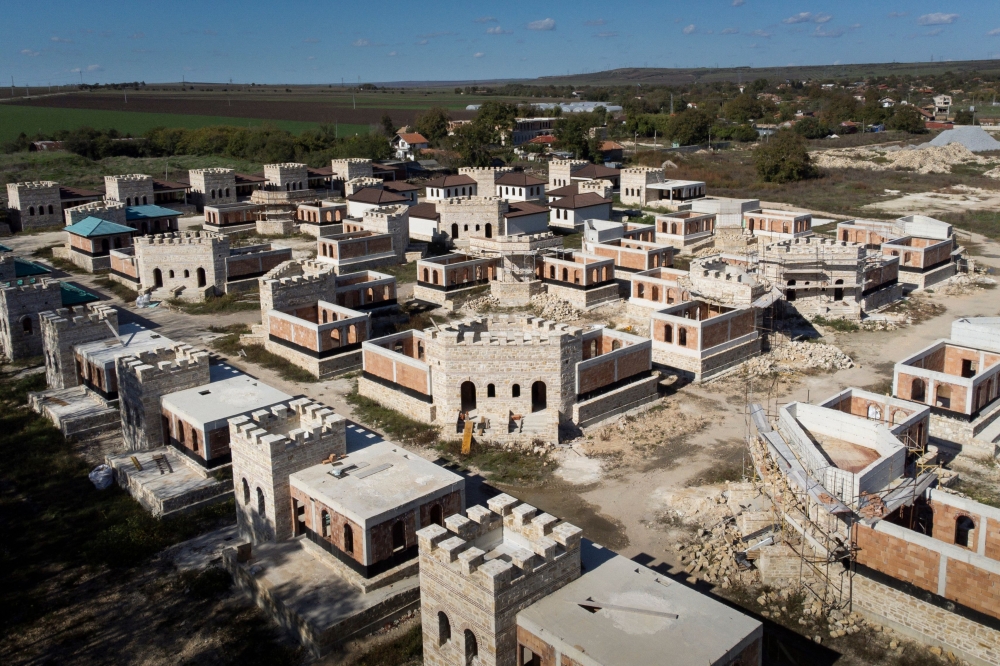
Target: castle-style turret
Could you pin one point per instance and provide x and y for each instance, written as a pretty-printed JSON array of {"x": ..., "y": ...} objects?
[
  {"x": 20, "y": 330},
  {"x": 62, "y": 331}
]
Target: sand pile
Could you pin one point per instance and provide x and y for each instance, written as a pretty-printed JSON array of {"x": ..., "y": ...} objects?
[{"x": 930, "y": 159}]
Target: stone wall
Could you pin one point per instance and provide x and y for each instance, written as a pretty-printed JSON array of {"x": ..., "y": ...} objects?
[
  {"x": 63, "y": 330},
  {"x": 469, "y": 217},
  {"x": 178, "y": 256},
  {"x": 561, "y": 172},
  {"x": 633, "y": 398},
  {"x": 633, "y": 184},
  {"x": 397, "y": 400},
  {"x": 322, "y": 368},
  {"x": 287, "y": 176},
  {"x": 145, "y": 378},
  {"x": 20, "y": 327},
  {"x": 269, "y": 446},
  {"x": 351, "y": 168},
  {"x": 394, "y": 221},
  {"x": 583, "y": 298},
  {"x": 112, "y": 211},
  {"x": 134, "y": 189},
  {"x": 33, "y": 205},
  {"x": 212, "y": 187},
  {"x": 515, "y": 294}
]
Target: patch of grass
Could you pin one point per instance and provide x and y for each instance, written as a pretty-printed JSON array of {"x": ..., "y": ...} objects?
[
  {"x": 216, "y": 304},
  {"x": 882, "y": 386},
  {"x": 682, "y": 263},
  {"x": 118, "y": 289},
  {"x": 500, "y": 465},
  {"x": 985, "y": 222},
  {"x": 396, "y": 426},
  {"x": 403, "y": 272},
  {"x": 573, "y": 241},
  {"x": 47, "y": 254},
  {"x": 984, "y": 493},
  {"x": 229, "y": 344},
  {"x": 839, "y": 325},
  {"x": 403, "y": 651},
  {"x": 55, "y": 519}
]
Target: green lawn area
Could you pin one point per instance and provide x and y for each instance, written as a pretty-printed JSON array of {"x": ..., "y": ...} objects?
[{"x": 34, "y": 119}]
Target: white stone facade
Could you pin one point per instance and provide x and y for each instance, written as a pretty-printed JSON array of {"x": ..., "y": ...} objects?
[
  {"x": 134, "y": 189},
  {"x": 33, "y": 205},
  {"x": 211, "y": 187},
  {"x": 351, "y": 168},
  {"x": 112, "y": 211},
  {"x": 635, "y": 180},
  {"x": 561, "y": 171},
  {"x": 63, "y": 330}
]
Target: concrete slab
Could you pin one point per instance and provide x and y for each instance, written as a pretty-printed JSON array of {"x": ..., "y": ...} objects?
[
  {"x": 75, "y": 410},
  {"x": 166, "y": 482},
  {"x": 210, "y": 406}
]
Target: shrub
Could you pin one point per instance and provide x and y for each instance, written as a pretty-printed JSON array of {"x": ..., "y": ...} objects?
[{"x": 783, "y": 159}]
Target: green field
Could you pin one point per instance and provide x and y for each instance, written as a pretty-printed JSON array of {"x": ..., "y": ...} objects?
[{"x": 34, "y": 119}]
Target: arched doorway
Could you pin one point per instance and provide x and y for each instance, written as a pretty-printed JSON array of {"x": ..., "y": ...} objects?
[
  {"x": 348, "y": 539},
  {"x": 437, "y": 515},
  {"x": 468, "y": 396},
  {"x": 489, "y": 230},
  {"x": 201, "y": 277},
  {"x": 963, "y": 527},
  {"x": 838, "y": 292},
  {"x": 454, "y": 231},
  {"x": 398, "y": 536},
  {"x": 157, "y": 278},
  {"x": 538, "y": 396},
  {"x": 918, "y": 391},
  {"x": 790, "y": 293}
]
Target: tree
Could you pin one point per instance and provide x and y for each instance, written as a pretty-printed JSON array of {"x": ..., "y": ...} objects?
[
  {"x": 690, "y": 127},
  {"x": 964, "y": 117},
  {"x": 388, "y": 127},
  {"x": 433, "y": 124},
  {"x": 496, "y": 117},
  {"x": 783, "y": 159},
  {"x": 758, "y": 86},
  {"x": 472, "y": 143},
  {"x": 812, "y": 128},
  {"x": 906, "y": 119},
  {"x": 573, "y": 133},
  {"x": 743, "y": 108},
  {"x": 840, "y": 108}
]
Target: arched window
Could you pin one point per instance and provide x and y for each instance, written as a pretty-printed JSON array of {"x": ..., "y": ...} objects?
[
  {"x": 668, "y": 333},
  {"x": 874, "y": 413},
  {"x": 348, "y": 539},
  {"x": 213, "y": 194},
  {"x": 50, "y": 209},
  {"x": 963, "y": 526},
  {"x": 31, "y": 211},
  {"x": 26, "y": 326},
  {"x": 227, "y": 191},
  {"x": 491, "y": 391},
  {"x": 437, "y": 515},
  {"x": 170, "y": 273},
  {"x": 515, "y": 391},
  {"x": 471, "y": 648},
  {"x": 943, "y": 398},
  {"x": 426, "y": 275},
  {"x": 144, "y": 202},
  {"x": 918, "y": 390},
  {"x": 325, "y": 521},
  {"x": 641, "y": 290},
  {"x": 180, "y": 431},
  {"x": 261, "y": 505},
  {"x": 187, "y": 273},
  {"x": 682, "y": 337},
  {"x": 246, "y": 492},
  {"x": 398, "y": 536},
  {"x": 444, "y": 629},
  {"x": 194, "y": 440}
]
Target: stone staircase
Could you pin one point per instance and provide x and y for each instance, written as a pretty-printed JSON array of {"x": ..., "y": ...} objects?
[{"x": 537, "y": 423}]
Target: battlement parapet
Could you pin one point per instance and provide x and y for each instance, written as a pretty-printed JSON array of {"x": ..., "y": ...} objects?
[
  {"x": 128, "y": 177},
  {"x": 62, "y": 319},
  {"x": 44, "y": 284},
  {"x": 182, "y": 238},
  {"x": 212, "y": 171},
  {"x": 149, "y": 366},
  {"x": 530, "y": 540},
  {"x": 282, "y": 427},
  {"x": 33, "y": 185},
  {"x": 503, "y": 330}
]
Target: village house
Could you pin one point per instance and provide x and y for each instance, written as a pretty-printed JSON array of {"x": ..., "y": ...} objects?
[
  {"x": 517, "y": 186},
  {"x": 408, "y": 144},
  {"x": 451, "y": 187},
  {"x": 570, "y": 212}
]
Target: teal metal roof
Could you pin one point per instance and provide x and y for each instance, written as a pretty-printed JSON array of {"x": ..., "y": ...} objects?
[
  {"x": 25, "y": 268},
  {"x": 149, "y": 212},
  {"x": 4, "y": 248},
  {"x": 73, "y": 295},
  {"x": 95, "y": 226}
]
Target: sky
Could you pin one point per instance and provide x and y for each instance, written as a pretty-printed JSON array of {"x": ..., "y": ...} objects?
[{"x": 444, "y": 40}]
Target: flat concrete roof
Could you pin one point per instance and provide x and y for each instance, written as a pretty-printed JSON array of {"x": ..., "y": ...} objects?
[
  {"x": 136, "y": 339},
  {"x": 639, "y": 628},
  {"x": 210, "y": 406},
  {"x": 379, "y": 482}
]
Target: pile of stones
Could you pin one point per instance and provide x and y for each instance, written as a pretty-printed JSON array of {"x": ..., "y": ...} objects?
[
  {"x": 556, "y": 309},
  {"x": 482, "y": 303},
  {"x": 711, "y": 556},
  {"x": 795, "y": 355}
]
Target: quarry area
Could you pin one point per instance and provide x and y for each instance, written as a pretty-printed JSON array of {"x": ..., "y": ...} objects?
[{"x": 579, "y": 416}]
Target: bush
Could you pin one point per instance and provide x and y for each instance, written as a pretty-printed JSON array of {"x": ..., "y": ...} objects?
[
  {"x": 397, "y": 426},
  {"x": 812, "y": 128},
  {"x": 906, "y": 119},
  {"x": 783, "y": 158}
]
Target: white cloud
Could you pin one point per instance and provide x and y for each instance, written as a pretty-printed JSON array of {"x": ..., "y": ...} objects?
[
  {"x": 393, "y": 54},
  {"x": 738, "y": 3},
  {"x": 730, "y": 31},
  {"x": 485, "y": 19},
  {"x": 137, "y": 35},
  {"x": 833, "y": 32},
  {"x": 801, "y": 17},
  {"x": 497, "y": 30},
  {"x": 992, "y": 33},
  {"x": 29, "y": 52},
  {"x": 937, "y": 18},
  {"x": 760, "y": 33},
  {"x": 94, "y": 68},
  {"x": 934, "y": 33},
  {"x": 480, "y": 54},
  {"x": 62, "y": 40},
  {"x": 544, "y": 24},
  {"x": 361, "y": 42},
  {"x": 689, "y": 29},
  {"x": 422, "y": 42},
  {"x": 595, "y": 22},
  {"x": 821, "y": 18}
]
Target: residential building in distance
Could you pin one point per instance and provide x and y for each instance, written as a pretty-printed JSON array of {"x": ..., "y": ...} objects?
[
  {"x": 570, "y": 212},
  {"x": 408, "y": 144},
  {"x": 451, "y": 187},
  {"x": 519, "y": 186}
]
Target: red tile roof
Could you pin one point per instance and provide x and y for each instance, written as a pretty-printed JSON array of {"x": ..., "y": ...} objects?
[
  {"x": 450, "y": 181},
  {"x": 66, "y": 192},
  {"x": 544, "y": 139},
  {"x": 374, "y": 195},
  {"x": 168, "y": 185},
  {"x": 522, "y": 208},
  {"x": 412, "y": 137},
  {"x": 611, "y": 145},
  {"x": 580, "y": 201},
  {"x": 425, "y": 211},
  {"x": 519, "y": 179}
]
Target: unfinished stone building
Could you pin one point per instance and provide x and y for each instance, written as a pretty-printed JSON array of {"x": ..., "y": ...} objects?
[
  {"x": 90, "y": 241},
  {"x": 379, "y": 239},
  {"x": 820, "y": 276},
  {"x": 927, "y": 248},
  {"x": 507, "y": 585},
  {"x": 21, "y": 301},
  {"x": 33, "y": 205},
  {"x": 351, "y": 168},
  {"x": 685, "y": 230},
  {"x": 112, "y": 211},
  {"x": 725, "y": 279},
  {"x": 212, "y": 187},
  {"x": 468, "y": 372},
  {"x": 872, "y": 533},
  {"x": 777, "y": 225},
  {"x": 475, "y": 216},
  {"x": 580, "y": 278},
  {"x": 231, "y": 217},
  {"x": 654, "y": 289},
  {"x": 193, "y": 265},
  {"x": 63, "y": 331},
  {"x": 561, "y": 171},
  {"x": 702, "y": 339},
  {"x": 134, "y": 189}
]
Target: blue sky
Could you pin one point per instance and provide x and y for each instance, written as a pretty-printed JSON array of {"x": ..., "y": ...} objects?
[{"x": 323, "y": 42}]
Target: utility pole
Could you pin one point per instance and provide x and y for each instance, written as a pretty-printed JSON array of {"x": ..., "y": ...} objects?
[{"x": 12, "y": 86}]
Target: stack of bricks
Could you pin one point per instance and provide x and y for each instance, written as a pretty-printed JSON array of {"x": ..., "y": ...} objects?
[
  {"x": 144, "y": 378},
  {"x": 112, "y": 211},
  {"x": 268, "y": 447},
  {"x": 62, "y": 331},
  {"x": 20, "y": 335},
  {"x": 33, "y": 205},
  {"x": 541, "y": 555},
  {"x": 134, "y": 189}
]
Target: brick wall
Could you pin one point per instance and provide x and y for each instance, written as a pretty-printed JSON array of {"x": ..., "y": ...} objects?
[{"x": 898, "y": 558}]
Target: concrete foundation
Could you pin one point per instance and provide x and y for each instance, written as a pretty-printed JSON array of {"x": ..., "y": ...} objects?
[
  {"x": 166, "y": 482},
  {"x": 76, "y": 410}
]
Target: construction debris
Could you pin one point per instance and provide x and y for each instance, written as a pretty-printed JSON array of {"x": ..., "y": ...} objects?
[{"x": 930, "y": 159}]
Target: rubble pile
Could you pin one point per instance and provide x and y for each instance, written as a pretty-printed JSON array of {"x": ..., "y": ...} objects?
[
  {"x": 556, "y": 309},
  {"x": 877, "y": 325},
  {"x": 795, "y": 355},
  {"x": 931, "y": 159},
  {"x": 712, "y": 556},
  {"x": 482, "y": 303},
  {"x": 963, "y": 283}
]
